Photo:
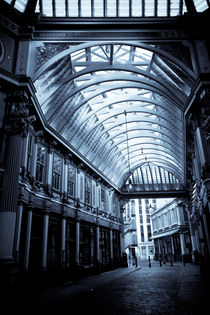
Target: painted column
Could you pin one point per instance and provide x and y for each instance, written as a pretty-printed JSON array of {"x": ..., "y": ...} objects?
[
  {"x": 192, "y": 236},
  {"x": 122, "y": 236},
  {"x": 77, "y": 241},
  {"x": 45, "y": 239},
  {"x": 28, "y": 238},
  {"x": 172, "y": 245},
  {"x": 159, "y": 248},
  {"x": 15, "y": 130},
  {"x": 98, "y": 243},
  {"x": 18, "y": 230},
  {"x": 34, "y": 160},
  {"x": 111, "y": 245},
  {"x": 206, "y": 232},
  {"x": 182, "y": 243},
  {"x": 63, "y": 240}
]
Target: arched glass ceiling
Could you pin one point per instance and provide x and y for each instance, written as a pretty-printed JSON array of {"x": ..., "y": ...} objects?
[
  {"x": 151, "y": 177},
  {"x": 85, "y": 90},
  {"x": 109, "y": 8}
]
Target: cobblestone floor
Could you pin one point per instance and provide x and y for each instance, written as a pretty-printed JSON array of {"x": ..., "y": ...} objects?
[{"x": 177, "y": 290}]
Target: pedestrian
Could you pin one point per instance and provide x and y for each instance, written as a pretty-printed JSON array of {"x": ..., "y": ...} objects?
[{"x": 160, "y": 260}]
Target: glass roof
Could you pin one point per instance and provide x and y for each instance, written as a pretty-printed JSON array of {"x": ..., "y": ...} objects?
[
  {"x": 109, "y": 8},
  {"x": 118, "y": 104},
  {"x": 152, "y": 177}
]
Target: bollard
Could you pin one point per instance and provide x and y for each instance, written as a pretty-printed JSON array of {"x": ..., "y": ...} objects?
[
  {"x": 160, "y": 262},
  {"x": 149, "y": 262}
]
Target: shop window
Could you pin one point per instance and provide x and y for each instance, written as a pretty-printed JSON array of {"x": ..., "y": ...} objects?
[
  {"x": 70, "y": 244},
  {"x": 56, "y": 175},
  {"x": 54, "y": 241},
  {"x": 71, "y": 180},
  {"x": 41, "y": 164},
  {"x": 87, "y": 190}
]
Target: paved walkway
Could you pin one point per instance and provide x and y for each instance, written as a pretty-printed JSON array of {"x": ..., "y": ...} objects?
[{"x": 177, "y": 290}]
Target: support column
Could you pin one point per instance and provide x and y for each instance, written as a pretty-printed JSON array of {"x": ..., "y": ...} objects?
[
  {"x": 206, "y": 232},
  {"x": 182, "y": 243},
  {"x": 172, "y": 245},
  {"x": 111, "y": 249},
  {"x": 28, "y": 238},
  {"x": 77, "y": 241},
  {"x": 15, "y": 126},
  {"x": 192, "y": 236},
  {"x": 98, "y": 254},
  {"x": 18, "y": 230},
  {"x": 45, "y": 239},
  {"x": 63, "y": 240},
  {"x": 159, "y": 248}
]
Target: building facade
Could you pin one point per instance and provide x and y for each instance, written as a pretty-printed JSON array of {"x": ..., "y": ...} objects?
[
  {"x": 56, "y": 216},
  {"x": 138, "y": 229},
  {"x": 171, "y": 233}
]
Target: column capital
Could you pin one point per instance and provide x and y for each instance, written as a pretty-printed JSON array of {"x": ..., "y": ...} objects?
[{"x": 17, "y": 115}]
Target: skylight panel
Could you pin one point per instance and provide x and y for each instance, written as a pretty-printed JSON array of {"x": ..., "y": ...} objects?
[
  {"x": 85, "y": 8},
  {"x": 162, "y": 8},
  {"x": 73, "y": 8},
  {"x": 111, "y": 8},
  {"x": 136, "y": 8},
  {"x": 8, "y": 1},
  {"x": 98, "y": 10},
  {"x": 149, "y": 8},
  {"x": 123, "y": 8},
  {"x": 20, "y": 5},
  {"x": 47, "y": 8},
  {"x": 201, "y": 5},
  {"x": 60, "y": 8},
  {"x": 174, "y": 8}
]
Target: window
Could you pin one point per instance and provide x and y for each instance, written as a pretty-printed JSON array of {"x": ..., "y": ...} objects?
[
  {"x": 103, "y": 199},
  {"x": 70, "y": 180},
  {"x": 81, "y": 187},
  {"x": 87, "y": 189},
  {"x": 29, "y": 153},
  {"x": 142, "y": 233},
  {"x": 141, "y": 218},
  {"x": 56, "y": 176},
  {"x": 149, "y": 231},
  {"x": 41, "y": 164},
  {"x": 93, "y": 194}
]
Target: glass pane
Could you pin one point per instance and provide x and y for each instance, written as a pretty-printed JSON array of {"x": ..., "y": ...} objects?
[
  {"x": 111, "y": 8},
  {"x": 162, "y": 8},
  {"x": 20, "y": 5},
  {"x": 73, "y": 8},
  {"x": 86, "y": 8},
  {"x": 149, "y": 8},
  {"x": 57, "y": 164},
  {"x": 136, "y": 8},
  {"x": 174, "y": 8},
  {"x": 47, "y": 8},
  {"x": 123, "y": 8},
  {"x": 60, "y": 8},
  {"x": 98, "y": 9},
  {"x": 201, "y": 5}
]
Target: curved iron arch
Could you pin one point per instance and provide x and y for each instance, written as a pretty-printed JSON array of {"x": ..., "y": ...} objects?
[{"x": 102, "y": 43}]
